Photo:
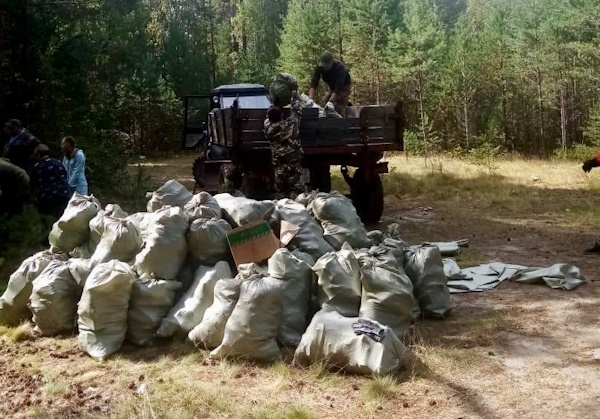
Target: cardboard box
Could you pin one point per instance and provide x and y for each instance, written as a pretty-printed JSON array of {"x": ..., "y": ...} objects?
[{"x": 252, "y": 242}]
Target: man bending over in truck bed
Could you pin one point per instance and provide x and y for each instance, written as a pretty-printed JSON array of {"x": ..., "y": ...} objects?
[{"x": 286, "y": 149}]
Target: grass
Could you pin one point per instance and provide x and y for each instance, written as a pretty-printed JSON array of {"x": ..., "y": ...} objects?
[
  {"x": 380, "y": 388},
  {"x": 20, "y": 333},
  {"x": 446, "y": 359},
  {"x": 55, "y": 387}
]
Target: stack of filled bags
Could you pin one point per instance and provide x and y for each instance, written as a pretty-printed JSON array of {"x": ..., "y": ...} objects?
[{"x": 336, "y": 293}]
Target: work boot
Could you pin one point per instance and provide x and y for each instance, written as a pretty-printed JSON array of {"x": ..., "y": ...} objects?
[{"x": 594, "y": 249}]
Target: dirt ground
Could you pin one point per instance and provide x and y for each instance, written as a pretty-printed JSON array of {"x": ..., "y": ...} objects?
[{"x": 518, "y": 351}]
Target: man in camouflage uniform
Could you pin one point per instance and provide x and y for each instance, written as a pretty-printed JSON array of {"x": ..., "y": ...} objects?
[{"x": 286, "y": 149}]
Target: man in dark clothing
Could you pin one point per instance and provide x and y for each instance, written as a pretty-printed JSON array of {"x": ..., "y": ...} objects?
[
  {"x": 21, "y": 145},
  {"x": 14, "y": 188},
  {"x": 588, "y": 165},
  {"x": 49, "y": 178},
  {"x": 286, "y": 149},
  {"x": 335, "y": 74}
]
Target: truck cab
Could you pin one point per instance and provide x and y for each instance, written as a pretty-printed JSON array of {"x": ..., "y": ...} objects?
[{"x": 198, "y": 107}]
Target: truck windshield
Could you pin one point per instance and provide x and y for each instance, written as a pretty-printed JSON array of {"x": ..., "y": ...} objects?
[{"x": 247, "y": 102}]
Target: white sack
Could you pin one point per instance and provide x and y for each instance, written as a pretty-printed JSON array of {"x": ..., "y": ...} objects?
[
  {"x": 13, "y": 303},
  {"x": 339, "y": 219},
  {"x": 192, "y": 312},
  {"x": 294, "y": 271},
  {"x": 209, "y": 333},
  {"x": 387, "y": 295},
  {"x": 339, "y": 282},
  {"x": 207, "y": 241},
  {"x": 190, "y": 308},
  {"x": 241, "y": 210},
  {"x": 186, "y": 278},
  {"x": 72, "y": 228},
  {"x": 425, "y": 268},
  {"x": 120, "y": 241},
  {"x": 202, "y": 205},
  {"x": 80, "y": 270},
  {"x": 137, "y": 219},
  {"x": 85, "y": 251},
  {"x": 309, "y": 238},
  {"x": 164, "y": 246},
  {"x": 102, "y": 312},
  {"x": 172, "y": 193},
  {"x": 251, "y": 330},
  {"x": 53, "y": 301},
  {"x": 331, "y": 339},
  {"x": 97, "y": 223},
  {"x": 151, "y": 300}
]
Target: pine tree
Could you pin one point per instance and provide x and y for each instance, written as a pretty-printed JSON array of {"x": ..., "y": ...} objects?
[
  {"x": 366, "y": 26},
  {"x": 257, "y": 30},
  {"x": 416, "y": 56},
  {"x": 310, "y": 28}
]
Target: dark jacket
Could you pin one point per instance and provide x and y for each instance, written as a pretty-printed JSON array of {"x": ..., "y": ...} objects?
[
  {"x": 49, "y": 178},
  {"x": 20, "y": 151},
  {"x": 337, "y": 77}
]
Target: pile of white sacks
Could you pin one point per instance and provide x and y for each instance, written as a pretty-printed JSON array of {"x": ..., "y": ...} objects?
[{"x": 336, "y": 293}]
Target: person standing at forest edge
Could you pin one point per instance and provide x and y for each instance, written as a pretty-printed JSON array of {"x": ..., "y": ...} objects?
[
  {"x": 335, "y": 74},
  {"x": 20, "y": 146},
  {"x": 74, "y": 162}
]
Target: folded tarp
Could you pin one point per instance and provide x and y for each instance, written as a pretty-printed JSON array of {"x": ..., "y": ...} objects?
[
  {"x": 489, "y": 276},
  {"x": 558, "y": 276}
]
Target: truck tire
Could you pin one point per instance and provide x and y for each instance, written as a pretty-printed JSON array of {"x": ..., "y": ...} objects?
[
  {"x": 367, "y": 196},
  {"x": 320, "y": 178}
]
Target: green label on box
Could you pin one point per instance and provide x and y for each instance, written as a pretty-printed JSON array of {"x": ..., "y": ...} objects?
[{"x": 249, "y": 234}]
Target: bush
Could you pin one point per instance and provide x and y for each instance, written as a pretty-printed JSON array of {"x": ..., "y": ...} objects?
[
  {"x": 413, "y": 144},
  {"x": 577, "y": 152},
  {"x": 484, "y": 157}
]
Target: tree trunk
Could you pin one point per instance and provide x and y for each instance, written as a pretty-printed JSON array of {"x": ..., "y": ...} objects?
[
  {"x": 465, "y": 97},
  {"x": 422, "y": 117},
  {"x": 340, "y": 34},
  {"x": 541, "y": 110},
  {"x": 563, "y": 117}
]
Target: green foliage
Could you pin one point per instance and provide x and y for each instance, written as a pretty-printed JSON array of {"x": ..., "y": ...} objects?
[
  {"x": 577, "y": 152},
  {"x": 412, "y": 144},
  {"x": 520, "y": 73},
  {"x": 257, "y": 28},
  {"x": 309, "y": 28},
  {"x": 415, "y": 57},
  {"x": 484, "y": 157},
  {"x": 592, "y": 129},
  {"x": 21, "y": 233},
  {"x": 365, "y": 27}
]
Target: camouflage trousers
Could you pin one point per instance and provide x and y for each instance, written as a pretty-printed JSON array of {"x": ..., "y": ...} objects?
[{"x": 288, "y": 179}]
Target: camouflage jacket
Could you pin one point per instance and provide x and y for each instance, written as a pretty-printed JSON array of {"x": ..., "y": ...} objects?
[{"x": 283, "y": 137}]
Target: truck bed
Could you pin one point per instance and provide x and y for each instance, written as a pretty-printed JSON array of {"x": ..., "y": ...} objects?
[{"x": 376, "y": 128}]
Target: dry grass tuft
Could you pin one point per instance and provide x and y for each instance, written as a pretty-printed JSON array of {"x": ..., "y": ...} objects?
[
  {"x": 20, "y": 333},
  {"x": 55, "y": 387},
  {"x": 380, "y": 388},
  {"x": 297, "y": 412}
]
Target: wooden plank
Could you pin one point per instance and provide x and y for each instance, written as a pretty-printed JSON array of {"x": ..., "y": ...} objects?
[
  {"x": 330, "y": 124},
  {"x": 249, "y": 136},
  {"x": 252, "y": 124},
  {"x": 252, "y": 114},
  {"x": 221, "y": 127},
  {"x": 228, "y": 125}
]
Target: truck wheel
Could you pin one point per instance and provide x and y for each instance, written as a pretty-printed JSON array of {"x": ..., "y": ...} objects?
[
  {"x": 320, "y": 178},
  {"x": 367, "y": 196}
]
